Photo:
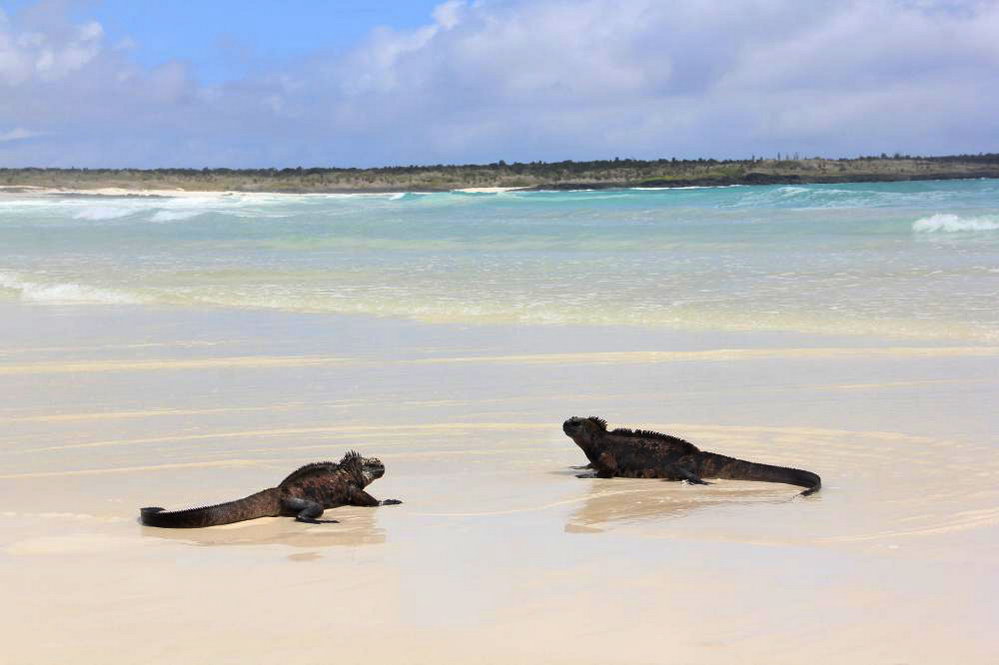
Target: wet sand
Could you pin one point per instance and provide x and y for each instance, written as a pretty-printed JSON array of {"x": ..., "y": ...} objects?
[{"x": 499, "y": 553}]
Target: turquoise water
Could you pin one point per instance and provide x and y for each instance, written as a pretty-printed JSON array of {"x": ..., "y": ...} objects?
[{"x": 917, "y": 260}]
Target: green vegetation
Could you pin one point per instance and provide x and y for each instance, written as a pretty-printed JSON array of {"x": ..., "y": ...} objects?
[{"x": 540, "y": 175}]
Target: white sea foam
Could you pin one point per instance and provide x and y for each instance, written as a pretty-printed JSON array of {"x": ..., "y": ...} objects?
[
  {"x": 668, "y": 188},
  {"x": 65, "y": 292},
  {"x": 947, "y": 223},
  {"x": 791, "y": 190},
  {"x": 98, "y": 213},
  {"x": 174, "y": 215}
]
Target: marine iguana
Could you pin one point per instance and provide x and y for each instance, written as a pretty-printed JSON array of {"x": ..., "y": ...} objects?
[
  {"x": 306, "y": 493},
  {"x": 644, "y": 454}
]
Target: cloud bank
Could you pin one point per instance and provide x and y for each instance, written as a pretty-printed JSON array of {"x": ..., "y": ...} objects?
[{"x": 539, "y": 79}]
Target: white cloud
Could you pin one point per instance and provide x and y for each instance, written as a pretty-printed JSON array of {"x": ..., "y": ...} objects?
[
  {"x": 448, "y": 14},
  {"x": 589, "y": 78},
  {"x": 31, "y": 55},
  {"x": 91, "y": 31},
  {"x": 126, "y": 44},
  {"x": 19, "y": 133},
  {"x": 530, "y": 79}
]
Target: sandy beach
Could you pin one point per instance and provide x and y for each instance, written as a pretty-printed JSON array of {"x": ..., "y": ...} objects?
[
  {"x": 247, "y": 247},
  {"x": 499, "y": 554}
]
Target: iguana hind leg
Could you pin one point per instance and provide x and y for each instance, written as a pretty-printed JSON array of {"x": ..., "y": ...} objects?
[
  {"x": 688, "y": 475},
  {"x": 308, "y": 511}
]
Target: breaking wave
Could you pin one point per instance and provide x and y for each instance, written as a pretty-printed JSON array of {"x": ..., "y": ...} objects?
[
  {"x": 947, "y": 223},
  {"x": 99, "y": 213},
  {"x": 65, "y": 292},
  {"x": 174, "y": 215}
]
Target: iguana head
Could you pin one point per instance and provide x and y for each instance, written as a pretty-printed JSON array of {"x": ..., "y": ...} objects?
[
  {"x": 584, "y": 430},
  {"x": 365, "y": 469},
  {"x": 373, "y": 469}
]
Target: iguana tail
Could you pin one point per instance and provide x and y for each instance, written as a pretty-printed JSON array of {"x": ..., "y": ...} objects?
[
  {"x": 266, "y": 503},
  {"x": 720, "y": 466}
]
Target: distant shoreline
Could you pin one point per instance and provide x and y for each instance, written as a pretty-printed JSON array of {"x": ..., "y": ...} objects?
[
  {"x": 776, "y": 180},
  {"x": 498, "y": 177},
  {"x": 119, "y": 192}
]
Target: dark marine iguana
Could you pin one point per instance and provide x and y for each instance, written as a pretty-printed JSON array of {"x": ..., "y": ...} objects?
[
  {"x": 643, "y": 454},
  {"x": 304, "y": 494}
]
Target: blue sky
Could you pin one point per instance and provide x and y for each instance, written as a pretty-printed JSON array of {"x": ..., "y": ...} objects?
[
  {"x": 225, "y": 40},
  {"x": 137, "y": 83}
]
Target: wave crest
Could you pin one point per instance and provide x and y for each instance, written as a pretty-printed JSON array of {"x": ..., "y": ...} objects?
[
  {"x": 98, "y": 213},
  {"x": 947, "y": 223},
  {"x": 174, "y": 215},
  {"x": 65, "y": 292}
]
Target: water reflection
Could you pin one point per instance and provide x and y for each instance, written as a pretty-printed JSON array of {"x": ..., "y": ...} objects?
[{"x": 618, "y": 501}]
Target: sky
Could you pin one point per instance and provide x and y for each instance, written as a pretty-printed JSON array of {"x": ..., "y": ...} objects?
[{"x": 253, "y": 84}]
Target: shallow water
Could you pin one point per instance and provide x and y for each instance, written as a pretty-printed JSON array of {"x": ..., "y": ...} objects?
[{"x": 914, "y": 259}]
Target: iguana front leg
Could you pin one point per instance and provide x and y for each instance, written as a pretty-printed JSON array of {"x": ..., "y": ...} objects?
[
  {"x": 596, "y": 474},
  {"x": 359, "y": 497},
  {"x": 307, "y": 510},
  {"x": 604, "y": 467}
]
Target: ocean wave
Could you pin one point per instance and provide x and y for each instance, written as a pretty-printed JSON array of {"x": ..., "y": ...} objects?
[
  {"x": 65, "y": 292},
  {"x": 99, "y": 213},
  {"x": 791, "y": 190},
  {"x": 947, "y": 223},
  {"x": 666, "y": 188},
  {"x": 174, "y": 215},
  {"x": 806, "y": 196}
]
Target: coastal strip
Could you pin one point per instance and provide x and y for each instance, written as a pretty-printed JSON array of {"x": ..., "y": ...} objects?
[{"x": 501, "y": 176}]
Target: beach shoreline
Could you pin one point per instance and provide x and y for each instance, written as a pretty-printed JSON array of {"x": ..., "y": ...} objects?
[
  {"x": 115, "y": 407},
  {"x": 8, "y": 191},
  {"x": 153, "y": 193},
  {"x": 119, "y": 192},
  {"x": 494, "y": 178}
]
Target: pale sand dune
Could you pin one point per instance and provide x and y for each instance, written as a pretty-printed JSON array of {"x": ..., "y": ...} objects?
[{"x": 499, "y": 553}]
